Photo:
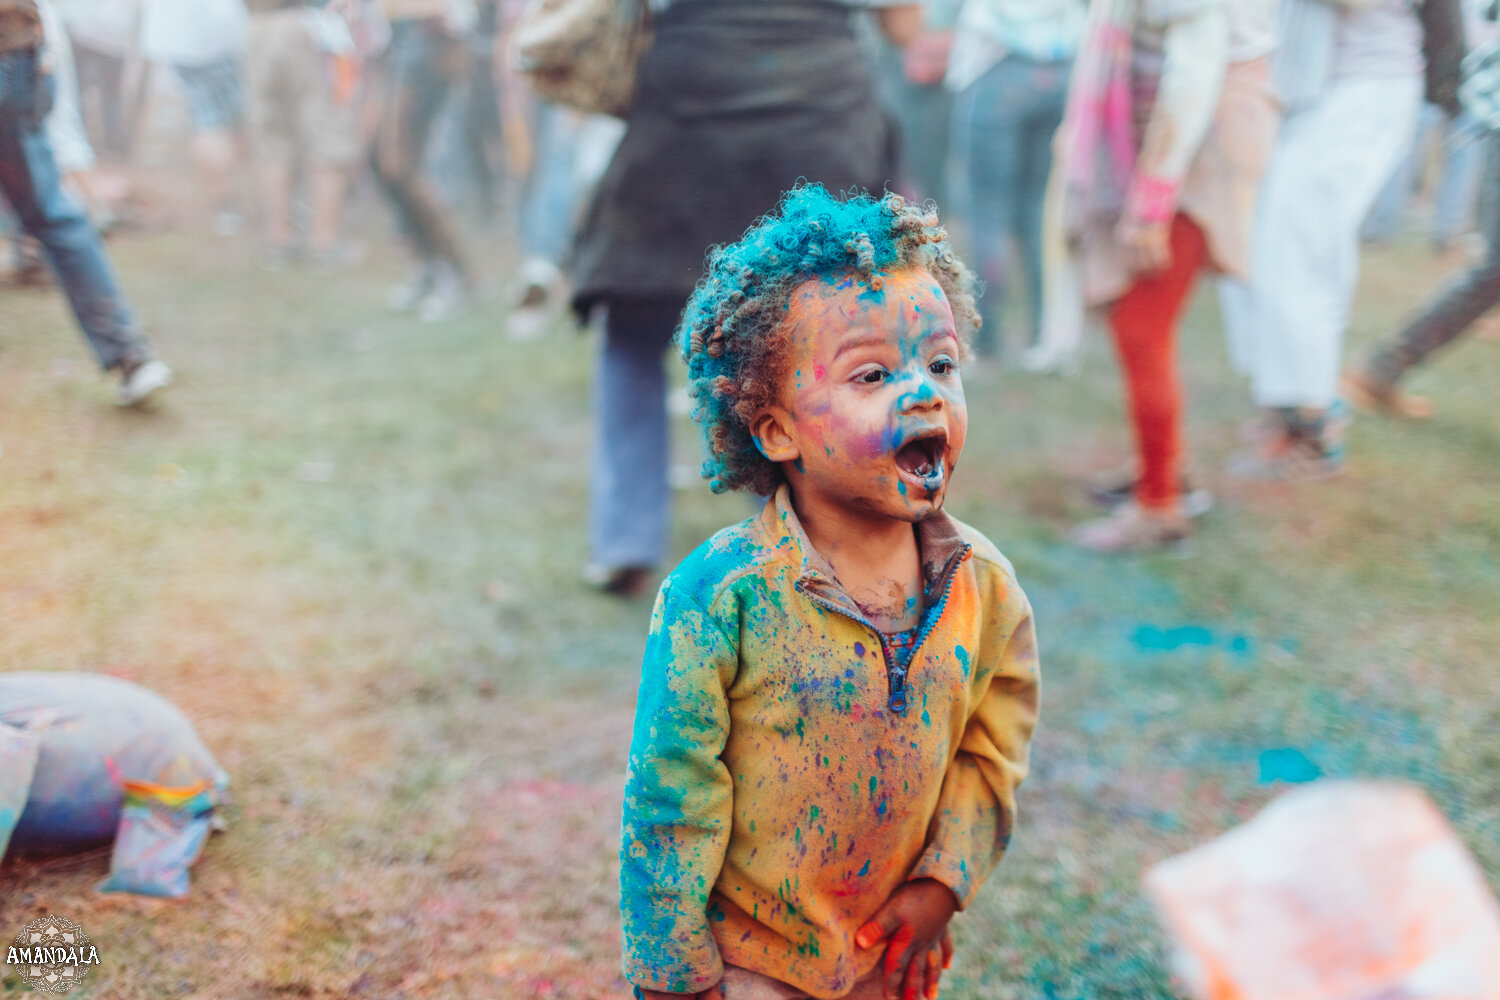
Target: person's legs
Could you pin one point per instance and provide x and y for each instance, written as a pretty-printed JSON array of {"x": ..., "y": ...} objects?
[
  {"x": 268, "y": 111},
  {"x": 987, "y": 118},
  {"x": 29, "y": 180},
  {"x": 1445, "y": 317},
  {"x": 327, "y": 186},
  {"x": 216, "y": 100},
  {"x": 1458, "y": 183},
  {"x": 629, "y": 498},
  {"x": 101, "y": 86},
  {"x": 1144, "y": 322},
  {"x": 418, "y": 85},
  {"x": 1049, "y": 93},
  {"x": 1329, "y": 163},
  {"x": 1390, "y": 204}
]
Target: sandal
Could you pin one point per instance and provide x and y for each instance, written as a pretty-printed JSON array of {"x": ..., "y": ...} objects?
[
  {"x": 1373, "y": 396},
  {"x": 1133, "y": 528}
]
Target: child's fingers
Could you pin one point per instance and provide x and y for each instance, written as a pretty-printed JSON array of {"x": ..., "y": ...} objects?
[
  {"x": 896, "y": 950},
  {"x": 945, "y": 942},
  {"x": 869, "y": 935},
  {"x": 934, "y": 973},
  {"x": 885, "y": 922},
  {"x": 913, "y": 979}
]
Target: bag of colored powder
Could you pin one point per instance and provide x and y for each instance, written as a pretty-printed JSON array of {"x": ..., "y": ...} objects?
[
  {"x": 162, "y": 831},
  {"x": 1335, "y": 891},
  {"x": 18, "y": 753},
  {"x": 92, "y": 733}
]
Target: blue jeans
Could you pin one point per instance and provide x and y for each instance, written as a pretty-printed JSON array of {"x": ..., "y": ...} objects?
[
  {"x": 29, "y": 180},
  {"x": 551, "y": 190},
  {"x": 1003, "y": 125},
  {"x": 1457, "y": 187},
  {"x": 629, "y": 498}
]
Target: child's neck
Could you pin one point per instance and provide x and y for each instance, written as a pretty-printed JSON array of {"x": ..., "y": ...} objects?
[{"x": 876, "y": 559}]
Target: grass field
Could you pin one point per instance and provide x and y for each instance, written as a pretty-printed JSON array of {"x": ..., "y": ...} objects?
[{"x": 348, "y": 546}]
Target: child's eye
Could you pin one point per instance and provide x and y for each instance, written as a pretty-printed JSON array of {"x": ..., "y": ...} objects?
[
  {"x": 943, "y": 366},
  {"x": 873, "y": 376}
]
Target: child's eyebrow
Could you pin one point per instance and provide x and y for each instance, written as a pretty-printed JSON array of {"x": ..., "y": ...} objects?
[{"x": 867, "y": 340}]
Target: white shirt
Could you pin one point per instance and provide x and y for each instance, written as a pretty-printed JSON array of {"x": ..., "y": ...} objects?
[{"x": 192, "y": 32}]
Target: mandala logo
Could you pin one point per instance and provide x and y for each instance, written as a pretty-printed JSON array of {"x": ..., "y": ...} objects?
[{"x": 52, "y": 954}]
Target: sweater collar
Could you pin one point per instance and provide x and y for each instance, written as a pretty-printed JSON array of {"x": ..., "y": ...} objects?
[{"x": 939, "y": 544}]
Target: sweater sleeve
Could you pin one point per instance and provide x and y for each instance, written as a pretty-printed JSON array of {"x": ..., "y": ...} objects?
[
  {"x": 977, "y": 805},
  {"x": 678, "y": 799},
  {"x": 1196, "y": 57}
]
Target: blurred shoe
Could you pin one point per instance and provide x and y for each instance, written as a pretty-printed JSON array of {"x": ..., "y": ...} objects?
[
  {"x": 139, "y": 379},
  {"x": 1368, "y": 394},
  {"x": 1111, "y": 489},
  {"x": 618, "y": 581},
  {"x": 1309, "y": 446},
  {"x": 1133, "y": 528},
  {"x": 447, "y": 296},
  {"x": 337, "y": 258},
  {"x": 30, "y": 265},
  {"x": 408, "y": 295},
  {"x": 540, "y": 288}
]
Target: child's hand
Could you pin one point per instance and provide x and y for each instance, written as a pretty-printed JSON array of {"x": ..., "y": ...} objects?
[
  {"x": 712, "y": 993},
  {"x": 914, "y": 922}
]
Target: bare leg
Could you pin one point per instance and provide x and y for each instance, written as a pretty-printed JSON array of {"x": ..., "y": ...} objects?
[
  {"x": 327, "y": 191},
  {"x": 276, "y": 187},
  {"x": 216, "y": 153}
]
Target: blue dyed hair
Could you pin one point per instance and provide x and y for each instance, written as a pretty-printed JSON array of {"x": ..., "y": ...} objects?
[{"x": 732, "y": 334}]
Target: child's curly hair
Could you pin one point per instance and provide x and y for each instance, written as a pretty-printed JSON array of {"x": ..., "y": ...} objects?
[{"x": 732, "y": 335}]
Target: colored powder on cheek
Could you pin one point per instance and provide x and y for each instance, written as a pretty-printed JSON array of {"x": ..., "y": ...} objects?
[{"x": 818, "y": 373}]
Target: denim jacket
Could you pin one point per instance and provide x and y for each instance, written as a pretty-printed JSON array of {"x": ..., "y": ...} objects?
[{"x": 786, "y": 778}]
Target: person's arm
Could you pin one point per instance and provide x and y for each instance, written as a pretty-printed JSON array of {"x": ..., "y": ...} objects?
[
  {"x": 899, "y": 24},
  {"x": 1196, "y": 57},
  {"x": 678, "y": 799},
  {"x": 977, "y": 805}
]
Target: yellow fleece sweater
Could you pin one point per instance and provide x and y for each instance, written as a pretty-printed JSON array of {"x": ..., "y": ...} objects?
[{"x": 775, "y": 796}]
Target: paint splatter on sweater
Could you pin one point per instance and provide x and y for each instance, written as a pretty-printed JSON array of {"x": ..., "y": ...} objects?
[{"x": 775, "y": 799}]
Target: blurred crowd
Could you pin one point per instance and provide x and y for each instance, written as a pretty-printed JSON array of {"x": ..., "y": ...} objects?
[{"x": 1091, "y": 159}]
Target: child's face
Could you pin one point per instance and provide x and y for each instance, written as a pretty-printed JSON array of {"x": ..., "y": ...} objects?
[{"x": 872, "y": 416}]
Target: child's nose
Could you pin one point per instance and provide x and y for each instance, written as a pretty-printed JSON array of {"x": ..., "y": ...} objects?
[{"x": 920, "y": 393}]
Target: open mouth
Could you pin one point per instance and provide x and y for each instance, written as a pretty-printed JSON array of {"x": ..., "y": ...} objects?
[{"x": 921, "y": 460}]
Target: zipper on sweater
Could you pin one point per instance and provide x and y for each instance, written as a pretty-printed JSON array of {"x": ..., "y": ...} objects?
[{"x": 896, "y": 675}]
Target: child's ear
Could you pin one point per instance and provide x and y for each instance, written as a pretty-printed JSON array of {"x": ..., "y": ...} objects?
[{"x": 773, "y": 434}]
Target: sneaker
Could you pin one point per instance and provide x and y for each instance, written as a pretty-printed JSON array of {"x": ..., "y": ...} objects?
[
  {"x": 30, "y": 267},
  {"x": 619, "y": 581},
  {"x": 446, "y": 297},
  {"x": 1309, "y": 446},
  {"x": 408, "y": 295},
  {"x": 1366, "y": 393},
  {"x": 1111, "y": 489},
  {"x": 1133, "y": 528},
  {"x": 139, "y": 379},
  {"x": 539, "y": 289}
]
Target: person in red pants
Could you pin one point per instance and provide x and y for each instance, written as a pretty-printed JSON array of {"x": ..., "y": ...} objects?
[{"x": 1169, "y": 124}]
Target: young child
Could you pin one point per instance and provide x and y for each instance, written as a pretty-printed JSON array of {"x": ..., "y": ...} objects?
[{"x": 838, "y": 694}]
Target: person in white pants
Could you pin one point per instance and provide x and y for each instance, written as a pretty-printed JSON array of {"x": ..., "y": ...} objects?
[{"x": 1352, "y": 81}]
